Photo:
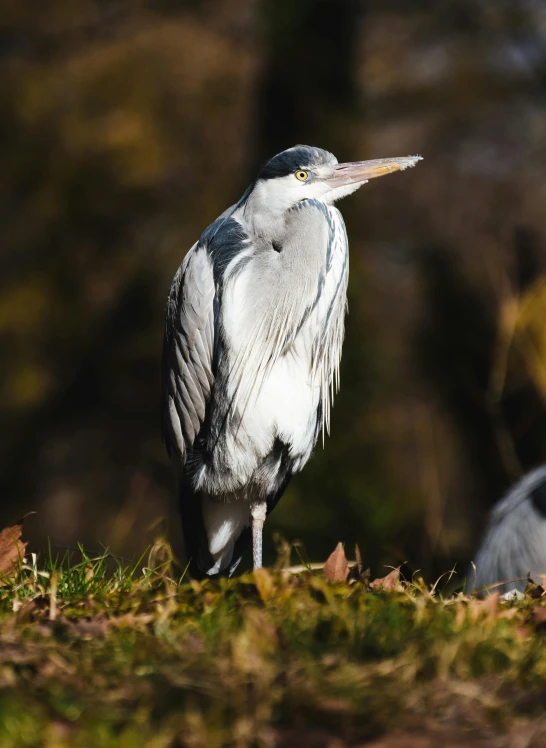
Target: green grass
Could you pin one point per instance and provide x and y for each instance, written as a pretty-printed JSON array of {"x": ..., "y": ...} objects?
[{"x": 97, "y": 654}]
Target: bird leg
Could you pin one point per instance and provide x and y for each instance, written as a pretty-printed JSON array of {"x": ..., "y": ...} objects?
[{"x": 258, "y": 513}]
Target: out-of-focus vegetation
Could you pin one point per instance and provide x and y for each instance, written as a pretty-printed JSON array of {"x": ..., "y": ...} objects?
[
  {"x": 128, "y": 126},
  {"x": 92, "y": 656}
]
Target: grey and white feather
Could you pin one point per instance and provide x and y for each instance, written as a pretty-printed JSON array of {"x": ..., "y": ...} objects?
[
  {"x": 252, "y": 347},
  {"x": 514, "y": 544}
]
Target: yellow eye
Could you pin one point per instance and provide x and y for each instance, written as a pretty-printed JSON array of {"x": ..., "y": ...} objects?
[{"x": 303, "y": 176}]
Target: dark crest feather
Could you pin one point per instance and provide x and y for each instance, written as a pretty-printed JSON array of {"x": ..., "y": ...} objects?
[{"x": 299, "y": 157}]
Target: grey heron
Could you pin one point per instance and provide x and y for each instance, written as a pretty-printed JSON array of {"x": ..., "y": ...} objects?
[
  {"x": 252, "y": 346},
  {"x": 514, "y": 543}
]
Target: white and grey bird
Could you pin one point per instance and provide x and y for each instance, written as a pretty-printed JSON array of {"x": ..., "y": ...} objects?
[
  {"x": 514, "y": 544},
  {"x": 253, "y": 336}
]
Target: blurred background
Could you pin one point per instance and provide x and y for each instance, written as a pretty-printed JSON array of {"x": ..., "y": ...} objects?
[{"x": 129, "y": 125}]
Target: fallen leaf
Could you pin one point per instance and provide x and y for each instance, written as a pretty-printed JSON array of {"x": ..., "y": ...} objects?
[
  {"x": 264, "y": 583},
  {"x": 336, "y": 568},
  {"x": 390, "y": 583},
  {"x": 533, "y": 589},
  {"x": 12, "y": 550}
]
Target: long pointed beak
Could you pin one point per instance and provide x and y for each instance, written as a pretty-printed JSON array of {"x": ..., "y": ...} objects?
[{"x": 361, "y": 171}]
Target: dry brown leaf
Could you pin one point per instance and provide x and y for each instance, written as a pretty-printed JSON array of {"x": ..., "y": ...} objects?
[
  {"x": 390, "y": 583},
  {"x": 12, "y": 550},
  {"x": 533, "y": 589},
  {"x": 336, "y": 568},
  {"x": 264, "y": 583}
]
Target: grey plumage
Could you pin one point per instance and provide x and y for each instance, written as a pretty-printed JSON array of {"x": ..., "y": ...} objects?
[
  {"x": 514, "y": 543},
  {"x": 253, "y": 336}
]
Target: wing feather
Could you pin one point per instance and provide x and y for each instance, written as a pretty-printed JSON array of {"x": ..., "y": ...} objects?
[{"x": 188, "y": 349}]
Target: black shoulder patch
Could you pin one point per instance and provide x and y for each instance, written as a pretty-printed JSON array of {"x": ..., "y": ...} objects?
[
  {"x": 224, "y": 239},
  {"x": 538, "y": 498}
]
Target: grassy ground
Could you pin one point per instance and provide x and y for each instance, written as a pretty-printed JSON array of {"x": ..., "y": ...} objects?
[{"x": 94, "y": 656}]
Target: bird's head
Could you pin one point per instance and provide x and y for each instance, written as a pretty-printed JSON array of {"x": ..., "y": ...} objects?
[{"x": 303, "y": 172}]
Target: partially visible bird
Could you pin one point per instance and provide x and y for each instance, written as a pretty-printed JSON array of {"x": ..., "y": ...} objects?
[
  {"x": 514, "y": 544},
  {"x": 253, "y": 336}
]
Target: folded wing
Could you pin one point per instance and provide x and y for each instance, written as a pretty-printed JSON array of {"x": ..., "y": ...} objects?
[{"x": 188, "y": 352}]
